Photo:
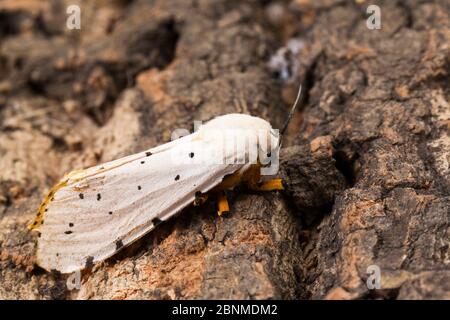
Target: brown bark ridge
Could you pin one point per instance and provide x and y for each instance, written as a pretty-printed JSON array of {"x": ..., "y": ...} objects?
[{"x": 366, "y": 162}]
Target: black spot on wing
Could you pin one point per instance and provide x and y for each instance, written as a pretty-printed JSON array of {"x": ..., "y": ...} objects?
[
  {"x": 119, "y": 244},
  {"x": 139, "y": 187},
  {"x": 99, "y": 196},
  {"x": 81, "y": 196},
  {"x": 191, "y": 155},
  {"x": 148, "y": 154},
  {"x": 177, "y": 177},
  {"x": 110, "y": 212},
  {"x": 68, "y": 232},
  {"x": 142, "y": 162},
  {"x": 71, "y": 224}
]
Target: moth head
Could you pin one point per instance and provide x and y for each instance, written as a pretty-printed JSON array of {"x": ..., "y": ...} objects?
[
  {"x": 244, "y": 131},
  {"x": 241, "y": 125}
]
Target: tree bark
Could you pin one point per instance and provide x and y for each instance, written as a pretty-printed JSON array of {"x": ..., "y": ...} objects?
[{"x": 365, "y": 161}]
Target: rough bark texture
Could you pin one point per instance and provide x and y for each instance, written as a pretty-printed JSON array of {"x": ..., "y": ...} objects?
[{"x": 366, "y": 162}]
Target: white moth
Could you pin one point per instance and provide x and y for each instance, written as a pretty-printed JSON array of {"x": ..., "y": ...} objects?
[{"x": 93, "y": 213}]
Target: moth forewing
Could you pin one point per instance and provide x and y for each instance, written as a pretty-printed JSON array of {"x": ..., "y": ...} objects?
[
  {"x": 93, "y": 213},
  {"x": 101, "y": 210}
]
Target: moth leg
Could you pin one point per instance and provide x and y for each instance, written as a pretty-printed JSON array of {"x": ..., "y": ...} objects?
[
  {"x": 253, "y": 180},
  {"x": 271, "y": 185},
  {"x": 222, "y": 203},
  {"x": 200, "y": 199}
]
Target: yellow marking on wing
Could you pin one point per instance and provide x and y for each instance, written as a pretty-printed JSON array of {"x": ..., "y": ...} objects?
[
  {"x": 49, "y": 197},
  {"x": 94, "y": 181},
  {"x": 78, "y": 189},
  {"x": 73, "y": 173},
  {"x": 42, "y": 208}
]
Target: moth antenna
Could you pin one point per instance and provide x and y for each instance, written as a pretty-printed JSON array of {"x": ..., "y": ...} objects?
[{"x": 291, "y": 113}]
